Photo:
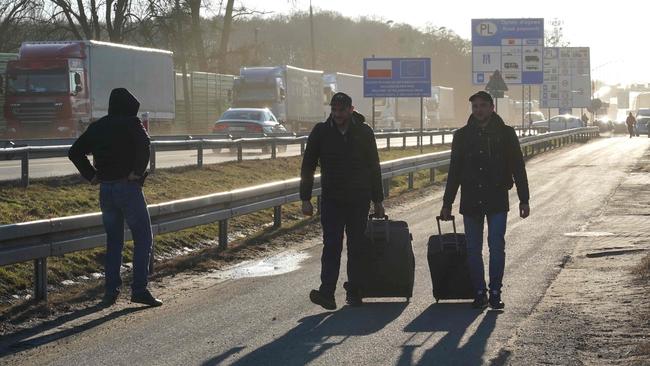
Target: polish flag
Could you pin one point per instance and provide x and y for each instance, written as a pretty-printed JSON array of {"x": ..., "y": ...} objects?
[{"x": 379, "y": 69}]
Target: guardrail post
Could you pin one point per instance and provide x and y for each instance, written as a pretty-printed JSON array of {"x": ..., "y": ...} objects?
[
  {"x": 386, "y": 185},
  {"x": 319, "y": 201},
  {"x": 432, "y": 175},
  {"x": 431, "y": 140},
  {"x": 40, "y": 279},
  {"x": 403, "y": 142},
  {"x": 277, "y": 217},
  {"x": 152, "y": 158},
  {"x": 410, "y": 180},
  {"x": 443, "y": 138},
  {"x": 388, "y": 143},
  {"x": 223, "y": 234},
  {"x": 199, "y": 155},
  {"x": 240, "y": 152},
  {"x": 24, "y": 169},
  {"x": 302, "y": 148},
  {"x": 274, "y": 148}
]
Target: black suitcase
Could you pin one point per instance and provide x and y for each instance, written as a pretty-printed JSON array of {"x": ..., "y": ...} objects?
[
  {"x": 447, "y": 257},
  {"x": 387, "y": 260}
]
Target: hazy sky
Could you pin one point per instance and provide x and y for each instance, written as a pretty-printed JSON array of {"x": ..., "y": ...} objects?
[{"x": 617, "y": 33}]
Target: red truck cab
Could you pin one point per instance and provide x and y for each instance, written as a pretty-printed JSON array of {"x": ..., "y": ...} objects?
[{"x": 47, "y": 91}]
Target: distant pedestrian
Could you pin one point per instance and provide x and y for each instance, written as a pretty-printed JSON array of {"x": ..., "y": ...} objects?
[
  {"x": 631, "y": 124},
  {"x": 345, "y": 148},
  {"x": 485, "y": 157},
  {"x": 120, "y": 148},
  {"x": 585, "y": 120}
]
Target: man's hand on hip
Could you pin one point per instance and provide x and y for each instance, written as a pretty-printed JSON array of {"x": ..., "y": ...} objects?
[
  {"x": 379, "y": 210},
  {"x": 307, "y": 208},
  {"x": 524, "y": 210}
]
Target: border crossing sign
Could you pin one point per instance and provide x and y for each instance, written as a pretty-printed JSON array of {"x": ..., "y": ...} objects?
[
  {"x": 396, "y": 77},
  {"x": 512, "y": 46}
]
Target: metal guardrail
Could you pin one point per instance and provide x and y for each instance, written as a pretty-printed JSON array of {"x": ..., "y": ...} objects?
[
  {"x": 38, "y": 240},
  {"x": 200, "y": 143}
]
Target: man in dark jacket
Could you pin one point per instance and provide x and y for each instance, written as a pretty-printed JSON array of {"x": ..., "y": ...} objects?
[
  {"x": 120, "y": 148},
  {"x": 346, "y": 149},
  {"x": 485, "y": 157}
]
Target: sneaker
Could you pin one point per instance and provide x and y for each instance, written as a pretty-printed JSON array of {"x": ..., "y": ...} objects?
[
  {"x": 145, "y": 297},
  {"x": 318, "y": 298},
  {"x": 480, "y": 301},
  {"x": 495, "y": 301},
  {"x": 353, "y": 299},
  {"x": 110, "y": 298}
]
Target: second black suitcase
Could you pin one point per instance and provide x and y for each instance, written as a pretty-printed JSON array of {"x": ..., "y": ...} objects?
[
  {"x": 388, "y": 263},
  {"x": 447, "y": 257}
]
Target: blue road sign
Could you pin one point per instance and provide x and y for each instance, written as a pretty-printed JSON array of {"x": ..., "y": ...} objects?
[
  {"x": 512, "y": 46},
  {"x": 396, "y": 77}
]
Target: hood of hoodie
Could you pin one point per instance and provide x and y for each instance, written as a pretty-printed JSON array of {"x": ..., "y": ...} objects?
[{"x": 123, "y": 103}]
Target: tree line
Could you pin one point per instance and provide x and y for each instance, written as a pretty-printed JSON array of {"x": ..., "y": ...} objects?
[{"x": 223, "y": 36}]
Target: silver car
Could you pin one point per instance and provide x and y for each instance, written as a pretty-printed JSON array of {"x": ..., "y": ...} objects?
[{"x": 250, "y": 122}]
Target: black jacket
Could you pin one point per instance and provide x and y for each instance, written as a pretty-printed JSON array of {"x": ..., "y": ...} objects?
[
  {"x": 118, "y": 142},
  {"x": 484, "y": 163},
  {"x": 349, "y": 163}
]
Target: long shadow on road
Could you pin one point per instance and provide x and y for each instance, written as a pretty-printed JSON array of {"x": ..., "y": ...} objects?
[
  {"x": 316, "y": 334},
  {"x": 451, "y": 320},
  {"x": 25, "y": 339}
]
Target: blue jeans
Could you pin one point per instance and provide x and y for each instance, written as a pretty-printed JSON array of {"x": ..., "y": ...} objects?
[
  {"x": 496, "y": 243},
  {"x": 338, "y": 217},
  {"x": 120, "y": 201}
]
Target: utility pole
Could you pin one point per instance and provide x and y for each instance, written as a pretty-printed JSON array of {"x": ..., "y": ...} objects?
[{"x": 313, "y": 47}]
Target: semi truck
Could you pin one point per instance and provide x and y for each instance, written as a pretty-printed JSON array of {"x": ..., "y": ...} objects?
[
  {"x": 438, "y": 111},
  {"x": 351, "y": 85},
  {"x": 294, "y": 95},
  {"x": 4, "y": 58},
  {"x": 55, "y": 89}
]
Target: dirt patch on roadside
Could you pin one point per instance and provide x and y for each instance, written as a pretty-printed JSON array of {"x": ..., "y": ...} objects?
[{"x": 596, "y": 311}]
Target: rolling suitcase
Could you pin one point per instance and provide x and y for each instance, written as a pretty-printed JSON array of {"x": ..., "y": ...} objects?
[
  {"x": 447, "y": 257},
  {"x": 387, "y": 260}
]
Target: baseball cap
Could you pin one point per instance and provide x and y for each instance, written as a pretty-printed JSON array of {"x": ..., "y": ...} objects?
[
  {"x": 341, "y": 99},
  {"x": 482, "y": 95}
]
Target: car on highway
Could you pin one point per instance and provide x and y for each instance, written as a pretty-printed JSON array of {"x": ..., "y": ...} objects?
[
  {"x": 558, "y": 123},
  {"x": 250, "y": 122},
  {"x": 642, "y": 124},
  {"x": 533, "y": 117}
]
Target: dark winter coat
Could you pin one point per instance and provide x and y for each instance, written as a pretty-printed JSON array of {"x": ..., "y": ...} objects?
[
  {"x": 118, "y": 142},
  {"x": 484, "y": 162},
  {"x": 349, "y": 163}
]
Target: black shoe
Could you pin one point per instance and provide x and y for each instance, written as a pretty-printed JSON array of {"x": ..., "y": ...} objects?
[
  {"x": 495, "y": 301},
  {"x": 318, "y": 298},
  {"x": 353, "y": 299},
  {"x": 110, "y": 298},
  {"x": 145, "y": 297},
  {"x": 480, "y": 301}
]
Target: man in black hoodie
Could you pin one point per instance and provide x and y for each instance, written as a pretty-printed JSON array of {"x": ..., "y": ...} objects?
[
  {"x": 346, "y": 149},
  {"x": 485, "y": 157},
  {"x": 120, "y": 148}
]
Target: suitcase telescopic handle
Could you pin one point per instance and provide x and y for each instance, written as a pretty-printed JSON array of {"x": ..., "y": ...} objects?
[{"x": 453, "y": 222}]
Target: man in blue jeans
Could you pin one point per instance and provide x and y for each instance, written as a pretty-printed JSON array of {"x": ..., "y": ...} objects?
[
  {"x": 485, "y": 159},
  {"x": 120, "y": 148}
]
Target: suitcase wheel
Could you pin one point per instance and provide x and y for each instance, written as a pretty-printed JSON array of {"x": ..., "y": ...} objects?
[{"x": 408, "y": 299}]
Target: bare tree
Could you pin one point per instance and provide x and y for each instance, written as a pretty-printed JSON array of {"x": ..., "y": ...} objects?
[
  {"x": 93, "y": 19},
  {"x": 12, "y": 15}
]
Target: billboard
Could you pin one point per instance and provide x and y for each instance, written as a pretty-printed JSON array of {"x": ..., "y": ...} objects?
[
  {"x": 396, "y": 77},
  {"x": 567, "y": 78}
]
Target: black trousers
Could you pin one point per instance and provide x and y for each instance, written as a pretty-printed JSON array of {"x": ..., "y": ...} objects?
[{"x": 338, "y": 217}]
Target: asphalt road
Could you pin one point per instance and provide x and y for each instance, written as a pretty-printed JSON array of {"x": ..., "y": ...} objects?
[
  {"x": 40, "y": 168},
  {"x": 270, "y": 321}
]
